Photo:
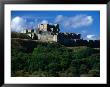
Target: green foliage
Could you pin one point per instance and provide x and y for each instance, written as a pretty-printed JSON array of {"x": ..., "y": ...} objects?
[
  {"x": 19, "y": 35},
  {"x": 53, "y": 59},
  {"x": 70, "y": 72},
  {"x": 94, "y": 72},
  {"x": 85, "y": 52}
]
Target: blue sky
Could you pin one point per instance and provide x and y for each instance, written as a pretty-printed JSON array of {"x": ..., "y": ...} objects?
[{"x": 85, "y": 22}]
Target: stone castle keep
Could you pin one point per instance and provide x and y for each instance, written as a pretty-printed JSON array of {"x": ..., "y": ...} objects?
[
  {"x": 47, "y": 32},
  {"x": 51, "y": 33}
]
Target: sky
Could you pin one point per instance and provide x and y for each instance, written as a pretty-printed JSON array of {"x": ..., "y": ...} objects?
[{"x": 87, "y": 23}]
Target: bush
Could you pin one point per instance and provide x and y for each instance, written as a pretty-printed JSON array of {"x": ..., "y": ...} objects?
[
  {"x": 85, "y": 52},
  {"x": 94, "y": 73},
  {"x": 53, "y": 59},
  {"x": 19, "y": 35}
]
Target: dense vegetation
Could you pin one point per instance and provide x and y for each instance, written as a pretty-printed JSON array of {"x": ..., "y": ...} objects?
[
  {"x": 19, "y": 35},
  {"x": 30, "y": 58}
]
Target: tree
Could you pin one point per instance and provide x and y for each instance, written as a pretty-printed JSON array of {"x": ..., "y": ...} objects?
[{"x": 94, "y": 73}]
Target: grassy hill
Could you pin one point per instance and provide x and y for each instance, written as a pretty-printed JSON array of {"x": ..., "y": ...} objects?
[{"x": 44, "y": 59}]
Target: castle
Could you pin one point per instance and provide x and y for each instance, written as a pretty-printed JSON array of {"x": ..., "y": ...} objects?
[
  {"x": 47, "y": 32},
  {"x": 51, "y": 33}
]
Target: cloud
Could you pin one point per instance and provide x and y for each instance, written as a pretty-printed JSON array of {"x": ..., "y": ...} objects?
[
  {"x": 74, "y": 21},
  {"x": 77, "y": 21},
  {"x": 18, "y": 24},
  {"x": 84, "y": 32},
  {"x": 81, "y": 20},
  {"x": 44, "y": 22},
  {"x": 31, "y": 25},
  {"x": 59, "y": 18},
  {"x": 91, "y": 37}
]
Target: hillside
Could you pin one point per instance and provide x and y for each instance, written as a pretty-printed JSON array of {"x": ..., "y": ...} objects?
[{"x": 44, "y": 59}]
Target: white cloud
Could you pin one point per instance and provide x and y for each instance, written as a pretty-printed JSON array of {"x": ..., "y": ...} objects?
[
  {"x": 18, "y": 24},
  {"x": 30, "y": 25},
  {"x": 44, "y": 22},
  {"x": 74, "y": 21},
  {"x": 35, "y": 23},
  {"x": 84, "y": 32},
  {"x": 59, "y": 18},
  {"x": 81, "y": 20},
  {"x": 91, "y": 37}
]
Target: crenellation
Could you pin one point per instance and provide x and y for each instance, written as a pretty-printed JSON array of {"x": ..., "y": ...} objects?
[{"x": 47, "y": 32}]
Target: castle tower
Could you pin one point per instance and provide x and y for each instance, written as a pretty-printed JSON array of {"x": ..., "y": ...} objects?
[
  {"x": 55, "y": 38},
  {"x": 48, "y": 31}
]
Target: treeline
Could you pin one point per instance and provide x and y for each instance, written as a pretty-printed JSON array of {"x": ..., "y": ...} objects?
[
  {"x": 19, "y": 35},
  {"x": 29, "y": 58}
]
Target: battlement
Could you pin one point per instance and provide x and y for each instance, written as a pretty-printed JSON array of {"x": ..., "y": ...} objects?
[
  {"x": 28, "y": 31},
  {"x": 69, "y": 35},
  {"x": 54, "y": 29},
  {"x": 48, "y": 32}
]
